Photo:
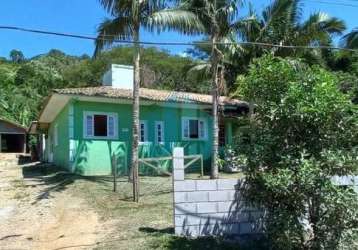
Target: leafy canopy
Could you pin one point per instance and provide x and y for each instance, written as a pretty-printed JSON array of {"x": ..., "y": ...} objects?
[
  {"x": 304, "y": 132},
  {"x": 24, "y": 85}
]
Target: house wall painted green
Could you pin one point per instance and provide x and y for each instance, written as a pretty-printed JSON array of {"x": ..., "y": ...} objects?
[
  {"x": 57, "y": 143},
  {"x": 92, "y": 156}
]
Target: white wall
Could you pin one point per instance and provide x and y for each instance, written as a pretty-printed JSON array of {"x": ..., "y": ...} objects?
[
  {"x": 211, "y": 207},
  {"x": 119, "y": 76}
]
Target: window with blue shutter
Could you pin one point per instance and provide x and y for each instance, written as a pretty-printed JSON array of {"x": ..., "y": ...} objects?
[
  {"x": 194, "y": 129},
  {"x": 159, "y": 131},
  {"x": 89, "y": 125},
  {"x": 111, "y": 132},
  {"x": 143, "y": 136},
  {"x": 100, "y": 125}
]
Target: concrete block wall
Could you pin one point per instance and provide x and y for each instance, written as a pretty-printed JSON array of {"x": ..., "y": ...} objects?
[
  {"x": 210, "y": 207},
  {"x": 346, "y": 181}
]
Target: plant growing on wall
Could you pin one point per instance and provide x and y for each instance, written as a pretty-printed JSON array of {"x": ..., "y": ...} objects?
[{"x": 303, "y": 132}]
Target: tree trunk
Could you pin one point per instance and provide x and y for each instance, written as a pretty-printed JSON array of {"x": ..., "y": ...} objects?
[
  {"x": 215, "y": 94},
  {"x": 136, "y": 85}
]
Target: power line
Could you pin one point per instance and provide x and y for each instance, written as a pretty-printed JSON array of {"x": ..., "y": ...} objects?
[
  {"x": 86, "y": 37},
  {"x": 334, "y": 3},
  {"x": 354, "y": 1}
]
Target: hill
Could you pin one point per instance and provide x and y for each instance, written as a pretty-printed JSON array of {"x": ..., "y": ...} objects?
[{"x": 25, "y": 82}]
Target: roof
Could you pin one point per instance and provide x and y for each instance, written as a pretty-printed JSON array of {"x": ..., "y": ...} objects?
[
  {"x": 14, "y": 124},
  {"x": 149, "y": 94}
]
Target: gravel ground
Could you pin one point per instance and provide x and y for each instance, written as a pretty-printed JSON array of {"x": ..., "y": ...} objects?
[{"x": 36, "y": 213}]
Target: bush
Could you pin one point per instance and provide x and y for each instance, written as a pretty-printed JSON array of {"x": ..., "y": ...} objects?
[{"x": 303, "y": 132}]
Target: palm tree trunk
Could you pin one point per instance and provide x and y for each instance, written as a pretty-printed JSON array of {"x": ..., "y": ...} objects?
[
  {"x": 215, "y": 123},
  {"x": 136, "y": 85}
]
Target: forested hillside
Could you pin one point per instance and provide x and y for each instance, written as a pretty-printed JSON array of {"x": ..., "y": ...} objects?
[{"x": 25, "y": 82}]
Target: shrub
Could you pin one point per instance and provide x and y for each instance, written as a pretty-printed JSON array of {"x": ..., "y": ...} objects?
[{"x": 303, "y": 132}]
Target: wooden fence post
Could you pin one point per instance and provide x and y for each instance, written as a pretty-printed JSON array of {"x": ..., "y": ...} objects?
[
  {"x": 114, "y": 172},
  {"x": 201, "y": 166}
]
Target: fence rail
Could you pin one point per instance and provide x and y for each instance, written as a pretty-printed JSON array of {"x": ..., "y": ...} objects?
[{"x": 192, "y": 158}]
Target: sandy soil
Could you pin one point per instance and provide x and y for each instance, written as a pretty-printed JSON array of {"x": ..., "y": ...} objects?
[{"x": 31, "y": 217}]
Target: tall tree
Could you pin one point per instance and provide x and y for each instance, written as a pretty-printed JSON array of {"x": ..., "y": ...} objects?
[
  {"x": 303, "y": 132},
  {"x": 16, "y": 56},
  {"x": 218, "y": 19},
  {"x": 128, "y": 16},
  {"x": 282, "y": 23}
]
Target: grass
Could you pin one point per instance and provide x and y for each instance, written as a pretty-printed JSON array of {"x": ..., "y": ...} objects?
[
  {"x": 133, "y": 223},
  {"x": 144, "y": 225}
]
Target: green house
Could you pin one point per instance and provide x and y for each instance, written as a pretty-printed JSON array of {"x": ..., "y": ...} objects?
[{"x": 83, "y": 127}]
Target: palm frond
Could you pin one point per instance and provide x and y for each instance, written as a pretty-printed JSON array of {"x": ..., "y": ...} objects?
[
  {"x": 247, "y": 28},
  {"x": 323, "y": 22},
  {"x": 350, "y": 40},
  {"x": 110, "y": 30},
  {"x": 320, "y": 28},
  {"x": 176, "y": 19},
  {"x": 117, "y": 7}
]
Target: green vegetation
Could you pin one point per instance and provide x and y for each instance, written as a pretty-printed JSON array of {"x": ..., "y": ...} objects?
[
  {"x": 304, "y": 131},
  {"x": 25, "y": 83}
]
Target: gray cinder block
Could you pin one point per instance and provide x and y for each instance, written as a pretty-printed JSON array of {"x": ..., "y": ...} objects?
[
  {"x": 206, "y": 185},
  {"x": 211, "y": 207},
  {"x": 198, "y": 196},
  {"x": 179, "y": 197},
  {"x": 247, "y": 228},
  {"x": 185, "y": 208},
  {"x": 188, "y": 185},
  {"x": 178, "y": 174},
  {"x": 207, "y": 207},
  {"x": 222, "y": 195},
  {"x": 228, "y": 184}
]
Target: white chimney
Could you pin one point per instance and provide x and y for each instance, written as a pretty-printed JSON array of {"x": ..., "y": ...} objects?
[{"x": 119, "y": 76}]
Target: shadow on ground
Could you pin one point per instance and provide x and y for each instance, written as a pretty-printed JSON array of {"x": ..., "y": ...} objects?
[
  {"x": 165, "y": 239},
  {"x": 54, "y": 179}
]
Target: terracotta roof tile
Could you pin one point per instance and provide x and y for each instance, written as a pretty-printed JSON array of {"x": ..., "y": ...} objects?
[{"x": 149, "y": 94}]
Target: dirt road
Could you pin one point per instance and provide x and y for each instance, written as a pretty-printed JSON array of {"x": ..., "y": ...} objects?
[{"x": 36, "y": 214}]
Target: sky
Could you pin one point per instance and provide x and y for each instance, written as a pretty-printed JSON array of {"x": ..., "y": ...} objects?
[{"x": 83, "y": 16}]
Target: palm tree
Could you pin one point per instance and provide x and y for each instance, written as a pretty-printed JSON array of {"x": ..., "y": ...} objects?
[
  {"x": 128, "y": 16},
  {"x": 281, "y": 23},
  {"x": 350, "y": 40},
  {"x": 218, "y": 19}
]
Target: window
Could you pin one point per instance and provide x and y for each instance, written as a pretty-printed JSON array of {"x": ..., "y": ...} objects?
[
  {"x": 100, "y": 125},
  {"x": 143, "y": 136},
  {"x": 159, "y": 132},
  {"x": 55, "y": 135},
  {"x": 193, "y": 128}
]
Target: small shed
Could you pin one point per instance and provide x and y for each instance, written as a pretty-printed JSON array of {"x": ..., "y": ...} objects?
[{"x": 12, "y": 137}]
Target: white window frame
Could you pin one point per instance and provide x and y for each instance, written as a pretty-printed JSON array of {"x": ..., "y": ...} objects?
[
  {"x": 145, "y": 123},
  {"x": 161, "y": 123},
  {"x": 108, "y": 114},
  {"x": 55, "y": 135},
  {"x": 201, "y": 138}
]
